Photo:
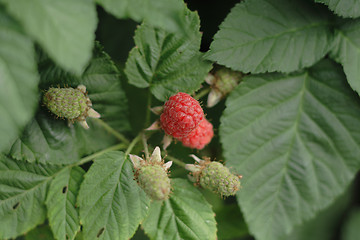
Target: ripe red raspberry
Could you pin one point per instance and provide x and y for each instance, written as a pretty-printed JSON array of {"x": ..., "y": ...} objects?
[
  {"x": 200, "y": 136},
  {"x": 181, "y": 115}
]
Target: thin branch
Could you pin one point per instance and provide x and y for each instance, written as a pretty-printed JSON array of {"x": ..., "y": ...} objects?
[
  {"x": 148, "y": 112},
  {"x": 97, "y": 154},
  {"x": 146, "y": 148},
  {"x": 202, "y": 93},
  {"x": 132, "y": 144},
  {"x": 176, "y": 161},
  {"x": 112, "y": 131}
]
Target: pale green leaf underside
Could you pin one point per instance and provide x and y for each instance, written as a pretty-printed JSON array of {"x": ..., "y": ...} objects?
[
  {"x": 65, "y": 29},
  {"x": 271, "y": 35},
  {"x": 186, "y": 215},
  {"x": 344, "y": 8},
  {"x": 350, "y": 230},
  {"x": 167, "y": 14},
  {"x": 325, "y": 224},
  {"x": 50, "y": 140},
  {"x": 18, "y": 81},
  {"x": 165, "y": 62},
  {"x": 61, "y": 200},
  {"x": 23, "y": 189},
  {"x": 111, "y": 203},
  {"x": 296, "y": 141},
  {"x": 347, "y": 51}
]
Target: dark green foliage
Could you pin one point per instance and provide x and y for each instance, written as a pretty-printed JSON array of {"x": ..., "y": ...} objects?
[{"x": 289, "y": 126}]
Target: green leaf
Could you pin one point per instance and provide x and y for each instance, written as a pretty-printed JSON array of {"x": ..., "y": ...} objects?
[
  {"x": 42, "y": 232},
  {"x": 165, "y": 62},
  {"x": 45, "y": 141},
  {"x": 344, "y": 8},
  {"x": 346, "y": 51},
  {"x": 186, "y": 215},
  {"x": 350, "y": 230},
  {"x": 272, "y": 35},
  {"x": 23, "y": 188},
  {"x": 61, "y": 203},
  {"x": 65, "y": 29},
  {"x": 325, "y": 225},
  {"x": 295, "y": 139},
  {"x": 167, "y": 14},
  {"x": 111, "y": 203},
  {"x": 19, "y": 79},
  {"x": 50, "y": 140}
]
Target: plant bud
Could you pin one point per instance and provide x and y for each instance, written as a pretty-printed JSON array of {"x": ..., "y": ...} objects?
[
  {"x": 213, "y": 176},
  {"x": 70, "y": 103},
  {"x": 217, "y": 178},
  {"x": 153, "y": 179},
  {"x": 152, "y": 175}
]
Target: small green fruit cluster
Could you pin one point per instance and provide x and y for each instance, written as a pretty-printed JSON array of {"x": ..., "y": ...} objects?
[
  {"x": 152, "y": 175},
  {"x": 70, "y": 103},
  {"x": 222, "y": 81},
  {"x": 155, "y": 181},
  {"x": 217, "y": 178},
  {"x": 214, "y": 176}
]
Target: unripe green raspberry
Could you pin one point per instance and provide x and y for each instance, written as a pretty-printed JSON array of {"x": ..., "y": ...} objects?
[
  {"x": 227, "y": 80},
  {"x": 214, "y": 176},
  {"x": 70, "y": 103},
  {"x": 152, "y": 175},
  {"x": 154, "y": 181},
  {"x": 223, "y": 81},
  {"x": 217, "y": 178}
]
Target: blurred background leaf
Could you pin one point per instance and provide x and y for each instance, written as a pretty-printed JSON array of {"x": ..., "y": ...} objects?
[
  {"x": 169, "y": 13},
  {"x": 65, "y": 29},
  {"x": 351, "y": 230},
  {"x": 344, "y": 8},
  {"x": 19, "y": 79}
]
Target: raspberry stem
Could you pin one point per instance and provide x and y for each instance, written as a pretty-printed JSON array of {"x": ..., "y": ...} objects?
[
  {"x": 202, "y": 93},
  {"x": 111, "y": 130},
  {"x": 176, "y": 161},
  {"x": 132, "y": 144},
  {"x": 148, "y": 111},
  {"x": 146, "y": 149},
  {"x": 92, "y": 156},
  {"x": 97, "y": 154}
]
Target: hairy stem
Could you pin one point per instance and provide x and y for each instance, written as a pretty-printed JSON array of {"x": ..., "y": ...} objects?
[
  {"x": 146, "y": 148},
  {"x": 148, "y": 112},
  {"x": 176, "y": 161},
  {"x": 111, "y": 130},
  {"x": 202, "y": 93},
  {"x": 132, "y": 144},
  {"x": 97, "y": 154}
]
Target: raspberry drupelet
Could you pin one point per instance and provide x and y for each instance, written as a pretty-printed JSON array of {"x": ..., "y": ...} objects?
[
  {"x": 181, "y": 115},
  {"x": 200, "y": 136}
]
